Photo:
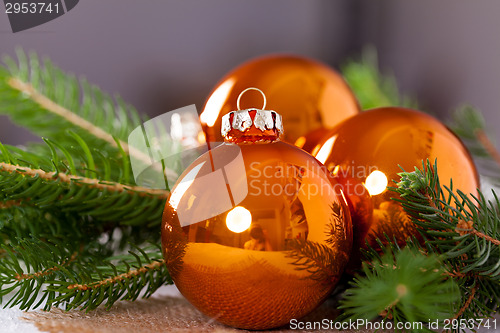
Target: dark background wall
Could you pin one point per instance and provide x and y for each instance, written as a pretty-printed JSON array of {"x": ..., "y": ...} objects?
[
  {"x": 445, "y": 52},
  {"x": 163, "y": 54}
]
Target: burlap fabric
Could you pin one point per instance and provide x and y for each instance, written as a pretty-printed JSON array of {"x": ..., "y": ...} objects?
[{"x": 159, "y": 314}]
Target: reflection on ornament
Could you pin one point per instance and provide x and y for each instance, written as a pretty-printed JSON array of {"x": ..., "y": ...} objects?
[
  {"x": 323, "y": 150},
  {"x": 238, "y": 219},
  {"x": 269, "y": 256},
  {"x": 215, "y": 102},
  {"x": 185, "y": 128},
  {"x": 311, "y": 140},
  {"x": 201, "y": 138},
  {"x": 376, "y": 182},
  {"x": 365, "y": 154},
  {"x": 308, "y": 94},
  {"x": 390, "y": 219},
  {"x": 180, "y": 189}
]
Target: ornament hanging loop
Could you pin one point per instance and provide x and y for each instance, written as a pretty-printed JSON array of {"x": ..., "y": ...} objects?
[{"x": 247, "y": 89}]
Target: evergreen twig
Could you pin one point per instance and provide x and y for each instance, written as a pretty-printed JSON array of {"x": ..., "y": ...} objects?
[
  {"x": 42, "y": 98},
  {"x": 460, "y": 252},
  {"x": 82, "y": 279},
  {"x": 402, "y": 286},
  {"x": 33, "y": 184},
  {"x": 469, "y": 124},
  {"x": 463, "y": 229},
  {"x": 59, "y": 199},
  {"x": 371, "y": 87},
  {"x": 488, "y": 145}
]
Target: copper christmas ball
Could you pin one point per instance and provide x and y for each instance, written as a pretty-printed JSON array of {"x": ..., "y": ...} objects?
[
  {"x": 306, "y": 93},
  {"x": 364, "y": 154},
  {"x": 256, "y": 232}
]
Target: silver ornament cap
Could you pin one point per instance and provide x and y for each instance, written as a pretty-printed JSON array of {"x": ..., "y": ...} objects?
[{"x": 253, "y": 125}]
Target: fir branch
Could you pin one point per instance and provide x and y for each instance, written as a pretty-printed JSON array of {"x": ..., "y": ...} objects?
[
  {"x": 37, "y": 184},
  {"x": 404, "y": 286},
  {"x": 488, "y": 145},
  {"x": 469, "y": 124},
  {"x": 43, "y": 258},
  {"x": 59, "y": 199},
  {"x": 83, "y": 279},
  {"x": 371, "y": 87},
  {"x": 79, "y": 181},
  {"x": 123, "y": 277},
  {"x": 439, "y": 210},
  {"x": 119, "y": 278},
  {"x": 33, "y": 90},
  {"x": 46, "y": 271},
  {"x": 463, "y": 229},
  {"x": 50, "y": 103},
  {"x": 459, "y": 252},
  {"x": 25, "y": 222}
]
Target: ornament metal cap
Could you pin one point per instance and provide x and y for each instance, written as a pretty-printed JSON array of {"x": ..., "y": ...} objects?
[{"x": 252, "y": 125}]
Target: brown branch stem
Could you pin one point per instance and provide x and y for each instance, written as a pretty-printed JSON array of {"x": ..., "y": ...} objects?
[
  {"x": 488, "y": 145},
  {"x": 484, "y": 236},
  {"x": 77, "y": 180},
  {"x": 78, "y": 121},
  {"x": 456, "y": 274},
  {"x": 55, "y": 108},
  {"x": 46, "y": 271},
  {"x": 120, "y": 277},
  {"x": 10, "y": 203},
  {"x": 464, "y": 228},
  {"x": 467, "y": 303}
]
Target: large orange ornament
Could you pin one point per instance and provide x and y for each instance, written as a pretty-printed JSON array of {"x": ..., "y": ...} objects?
[
  {"x": 307, "y": 94},
  {"x": 364, "y": 154},
  {"x": 255, "y": 232}
]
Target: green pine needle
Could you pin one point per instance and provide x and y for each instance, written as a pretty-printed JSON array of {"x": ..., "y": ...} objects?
[
  {"x": 77, "y": 275},
  {"x": 405, "y": 286},
  {"x": 372, "y": 88},
  {"x": 463, "y": 230},
  {"x": 59, "y": 199},
  {"x": 41, "y": 97},
  {"x": 33, "y": 181},
  {"x": 469, "y": 124},
  {"x": 454, "y": 273}
]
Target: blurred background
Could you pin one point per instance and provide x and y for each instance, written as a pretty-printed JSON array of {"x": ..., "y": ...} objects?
[{"x": 160, "y": 55}]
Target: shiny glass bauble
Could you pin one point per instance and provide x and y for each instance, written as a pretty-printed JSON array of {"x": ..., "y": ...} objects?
[
  {"x": 307, "y": 93},
  {"x": 256, "y": 234},
  {"x": 366, "y": 152}
]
